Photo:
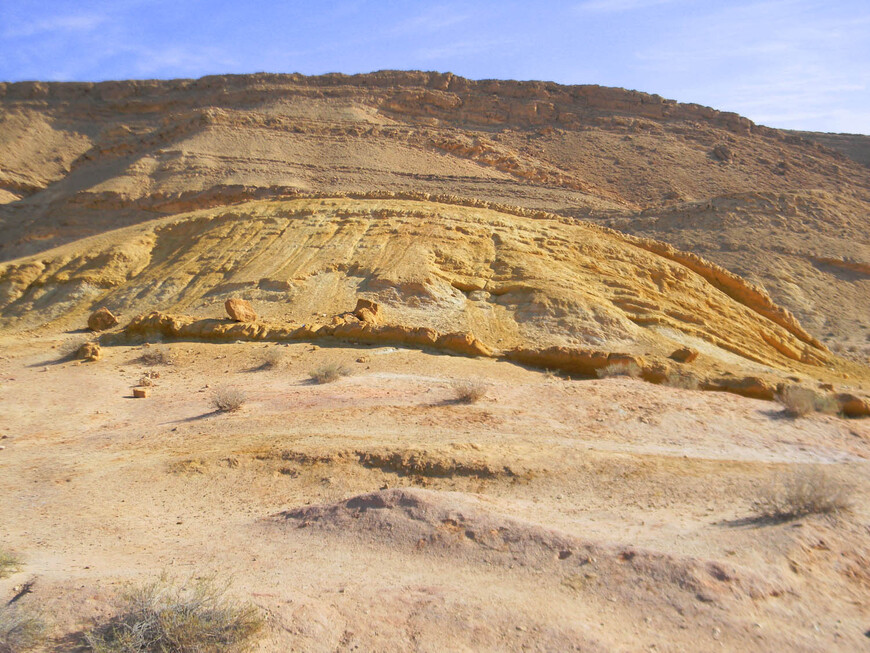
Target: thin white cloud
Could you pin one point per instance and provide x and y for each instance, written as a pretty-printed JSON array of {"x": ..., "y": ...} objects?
[
  {"x": 73, "y": 23},
  {"x": 617, "y": 6},
  {"x": 464, "y": 48},
  {"x": 433, "y": 19},
  {"x": 778, "y": 62}
]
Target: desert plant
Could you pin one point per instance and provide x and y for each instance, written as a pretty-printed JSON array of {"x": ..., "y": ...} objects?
[
  {"x": 623, "y": 368},
  {"x": 329, "y": 372},
  {"x": 682, "y": 380},
  {"x": 805, "y": 491},
  {"x": 798, "y": 401},
  {"x": 228, "y": 400},
  {"x": 9, "y": 562},
  {"x": 156, "y": 356},
  {"x": 161, "y": 617},
  {"x": 273, "y": 359},
  {"x": 468, "y": 392},
  {"x": 20, "y": 629}
]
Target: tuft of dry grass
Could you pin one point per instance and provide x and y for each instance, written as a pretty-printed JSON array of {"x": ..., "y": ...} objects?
[
  {"x": 469, "y": 392},
  {"x": 228, "y": 400},
  {"x": 620, "y": 369},
  {"x": 273, "y": 359},
  {"x": 798, "y": 401},
  {"x": 160, "y": 617},
  {"x": 806, "y": 491},
  {"x": 329, "y": 372},
  {"x": 156, "y": 356},
  {"x": 9, "y": 563},
  {"x": 682, "y": 380},
  {"x": 20, "y": 629}
]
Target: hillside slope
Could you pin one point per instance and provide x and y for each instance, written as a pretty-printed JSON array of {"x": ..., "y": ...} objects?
[{"x": 79, "y": 159}]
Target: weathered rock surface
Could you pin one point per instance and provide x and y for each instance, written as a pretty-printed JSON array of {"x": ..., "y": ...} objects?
[
  {"x": 240, "y": 310},
  {"x": 102, "y": 319},
  {"x": 552, "y": 282}
]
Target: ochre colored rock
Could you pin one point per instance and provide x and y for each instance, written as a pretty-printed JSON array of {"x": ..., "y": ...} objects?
[
  {"x": 684, "y": 355},
  {"x": 723, "y": 152},
  {"x": 853, "y": 406},
  {"x": 90, "y": 351},
  {"x": 748, "y": 386},
  {"x": 102, "y": 319},
  {"x": 367, "y": 311},
  {"x": 240, "y": 310},
  {"x": 141, "y": 393}
]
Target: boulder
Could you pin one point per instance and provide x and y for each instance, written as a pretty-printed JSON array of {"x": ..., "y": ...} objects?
[
  {"x": 684, "y": 355},
  {"x": 90, "y": 351},
  {"x": 366, "y": 311},
  {"x": 240, "y": 310},
  {"x": 723, "y": 153},
  {"x": 141, "y": 393},
  {"x": 101, "y": 319},
  {"x": 852, "y": 405}
]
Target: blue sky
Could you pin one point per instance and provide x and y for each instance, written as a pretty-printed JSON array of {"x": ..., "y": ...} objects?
[{"x": 800, "y": 64}]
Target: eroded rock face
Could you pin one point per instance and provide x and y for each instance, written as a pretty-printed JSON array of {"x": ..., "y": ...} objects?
[
  {"x": 102, "y": 319},
  {"x": 90, "y": 351},
  {"x": 240, "y": 310}
]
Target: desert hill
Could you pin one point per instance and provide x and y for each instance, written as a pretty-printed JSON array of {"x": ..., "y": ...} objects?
[
  {"x": 77, "y": 159},
  {"x": 508, "y": 387},
  {"x": 516, "y": 281}
]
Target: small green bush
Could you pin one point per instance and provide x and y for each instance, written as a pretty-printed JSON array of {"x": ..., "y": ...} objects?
[{"x": 162, "y": 618}]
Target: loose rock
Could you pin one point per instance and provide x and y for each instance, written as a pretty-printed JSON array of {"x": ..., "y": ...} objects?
[
  {"x": 684, "y": 355},
  {"x": 90, "y": 351},
  {"x": 366, "y": 311},
  {"x": 240, "y": 310},
  {"x": 102, "y": 319}
]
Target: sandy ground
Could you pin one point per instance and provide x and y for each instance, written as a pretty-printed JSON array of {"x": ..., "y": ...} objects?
[{"x": 552, "y": 515}]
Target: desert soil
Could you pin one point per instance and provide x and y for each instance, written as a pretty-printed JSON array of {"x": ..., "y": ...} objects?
[{"x": 553, "y": 514}]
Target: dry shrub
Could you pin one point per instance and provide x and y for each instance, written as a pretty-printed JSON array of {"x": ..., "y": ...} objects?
[
  {"x": 620, "y": 369},
  {"x": 469, "y": 392},
  {"x": 798, "y": 401},
  {"x": 160, "y": 617},
  {"x": 329, "y": 372},
  {"x": 9, "y": 563},
  {"x": 682, "y": 380},
  {"x": 228, "y": 400},
  {"x": 273, "y": 359},
  {"x": 20, "y": 629},
  {"x": 805, "y": 491},
  {"x": 156, "y": 356}
]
